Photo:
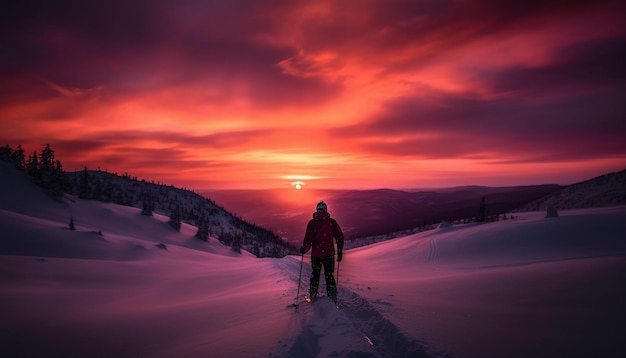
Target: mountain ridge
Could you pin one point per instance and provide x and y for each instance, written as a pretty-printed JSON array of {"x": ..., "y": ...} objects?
[
  {"x": 372, "y": 212},
  {"x": 601, "y": 191}
]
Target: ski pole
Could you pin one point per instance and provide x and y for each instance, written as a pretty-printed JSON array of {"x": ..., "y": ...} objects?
[
  {"x": 337, "y": 286},
  {"x": 295, "y": 303},
  {"x": 337, "y": 280}
]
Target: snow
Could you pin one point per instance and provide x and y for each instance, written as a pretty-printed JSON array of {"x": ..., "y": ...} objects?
[{"x": 532, "y": 286}]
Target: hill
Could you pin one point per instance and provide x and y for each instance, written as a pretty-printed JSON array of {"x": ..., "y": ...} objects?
[
  {"x": 183, "y": 205},
  {"x": 172, "y": 205},
  {"x": 604, "y": 190}
]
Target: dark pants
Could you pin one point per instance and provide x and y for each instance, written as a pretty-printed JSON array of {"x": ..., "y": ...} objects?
[{"x": 329, "y": 267}]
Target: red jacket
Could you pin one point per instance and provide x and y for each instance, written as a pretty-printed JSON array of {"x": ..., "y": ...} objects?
[{"x": 320, "y": 233}]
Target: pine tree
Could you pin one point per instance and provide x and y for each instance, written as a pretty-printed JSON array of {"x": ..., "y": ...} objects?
[
  {"x": 43, "y": 177},
  {"x": 175, "y": 219},
  {"x": 59, "y": 183},
  {"x": 147, "y": 207},
  {"x": 32, "y": 165},
  {"x": 203, "y": 230},
  {"x": 17, "y": 158},
  {"x": 5, "y": 153},
  {"x": 49, "y": 174},
  {"x": 72, "y": 227}
]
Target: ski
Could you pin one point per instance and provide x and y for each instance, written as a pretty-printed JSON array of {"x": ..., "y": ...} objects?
[
  {"x": 307, "y": 298},
  {"x": 294, "y": 305},
  {"x": 310, "y": 299}
]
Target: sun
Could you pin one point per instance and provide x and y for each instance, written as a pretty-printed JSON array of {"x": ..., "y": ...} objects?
[{"x": 297, "y": 184}]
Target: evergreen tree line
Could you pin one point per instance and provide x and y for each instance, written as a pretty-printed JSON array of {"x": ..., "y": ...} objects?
[
  {"x": 43, "y": 167},
  {"x": 182, "y": 205}
]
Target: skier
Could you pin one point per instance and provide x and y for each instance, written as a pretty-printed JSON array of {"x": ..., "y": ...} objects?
[{"x": 320, "y": 232}]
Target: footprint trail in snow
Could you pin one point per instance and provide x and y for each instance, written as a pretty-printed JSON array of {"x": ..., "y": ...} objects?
[{"x": 354, "y": 329}]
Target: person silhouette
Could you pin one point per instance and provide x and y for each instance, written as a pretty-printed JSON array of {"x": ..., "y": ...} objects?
[{"x": 322, "y": 232}]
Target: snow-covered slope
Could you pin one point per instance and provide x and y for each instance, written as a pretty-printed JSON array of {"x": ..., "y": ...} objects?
[
  {"x": 36, "y": 224},
  {"x": 182, "y": 205},
  {"x": 605, "y": 190},
  {"x": 528, "y": 287}
]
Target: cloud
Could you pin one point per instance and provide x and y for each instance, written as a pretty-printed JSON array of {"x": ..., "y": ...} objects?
[
  {"x": 586, "y": 67},
  {"x": 450, "y": 126},
  {"x": 131, "y": 48},
  {"x": 266, "y": 89}
]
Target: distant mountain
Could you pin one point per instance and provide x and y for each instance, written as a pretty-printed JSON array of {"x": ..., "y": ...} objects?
[
  {"x": 372, "y": 212},
  {"x": 382, "y": 211},
  {"x": 605, "y": 190}
]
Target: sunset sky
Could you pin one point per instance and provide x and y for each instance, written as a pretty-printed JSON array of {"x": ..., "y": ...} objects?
[{"x": 334, "y": 94}]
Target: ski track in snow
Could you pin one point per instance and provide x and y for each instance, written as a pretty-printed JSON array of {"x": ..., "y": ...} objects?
[
  {"x": 353, "y": 329},
  {"x": 432, "y": 253}
]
